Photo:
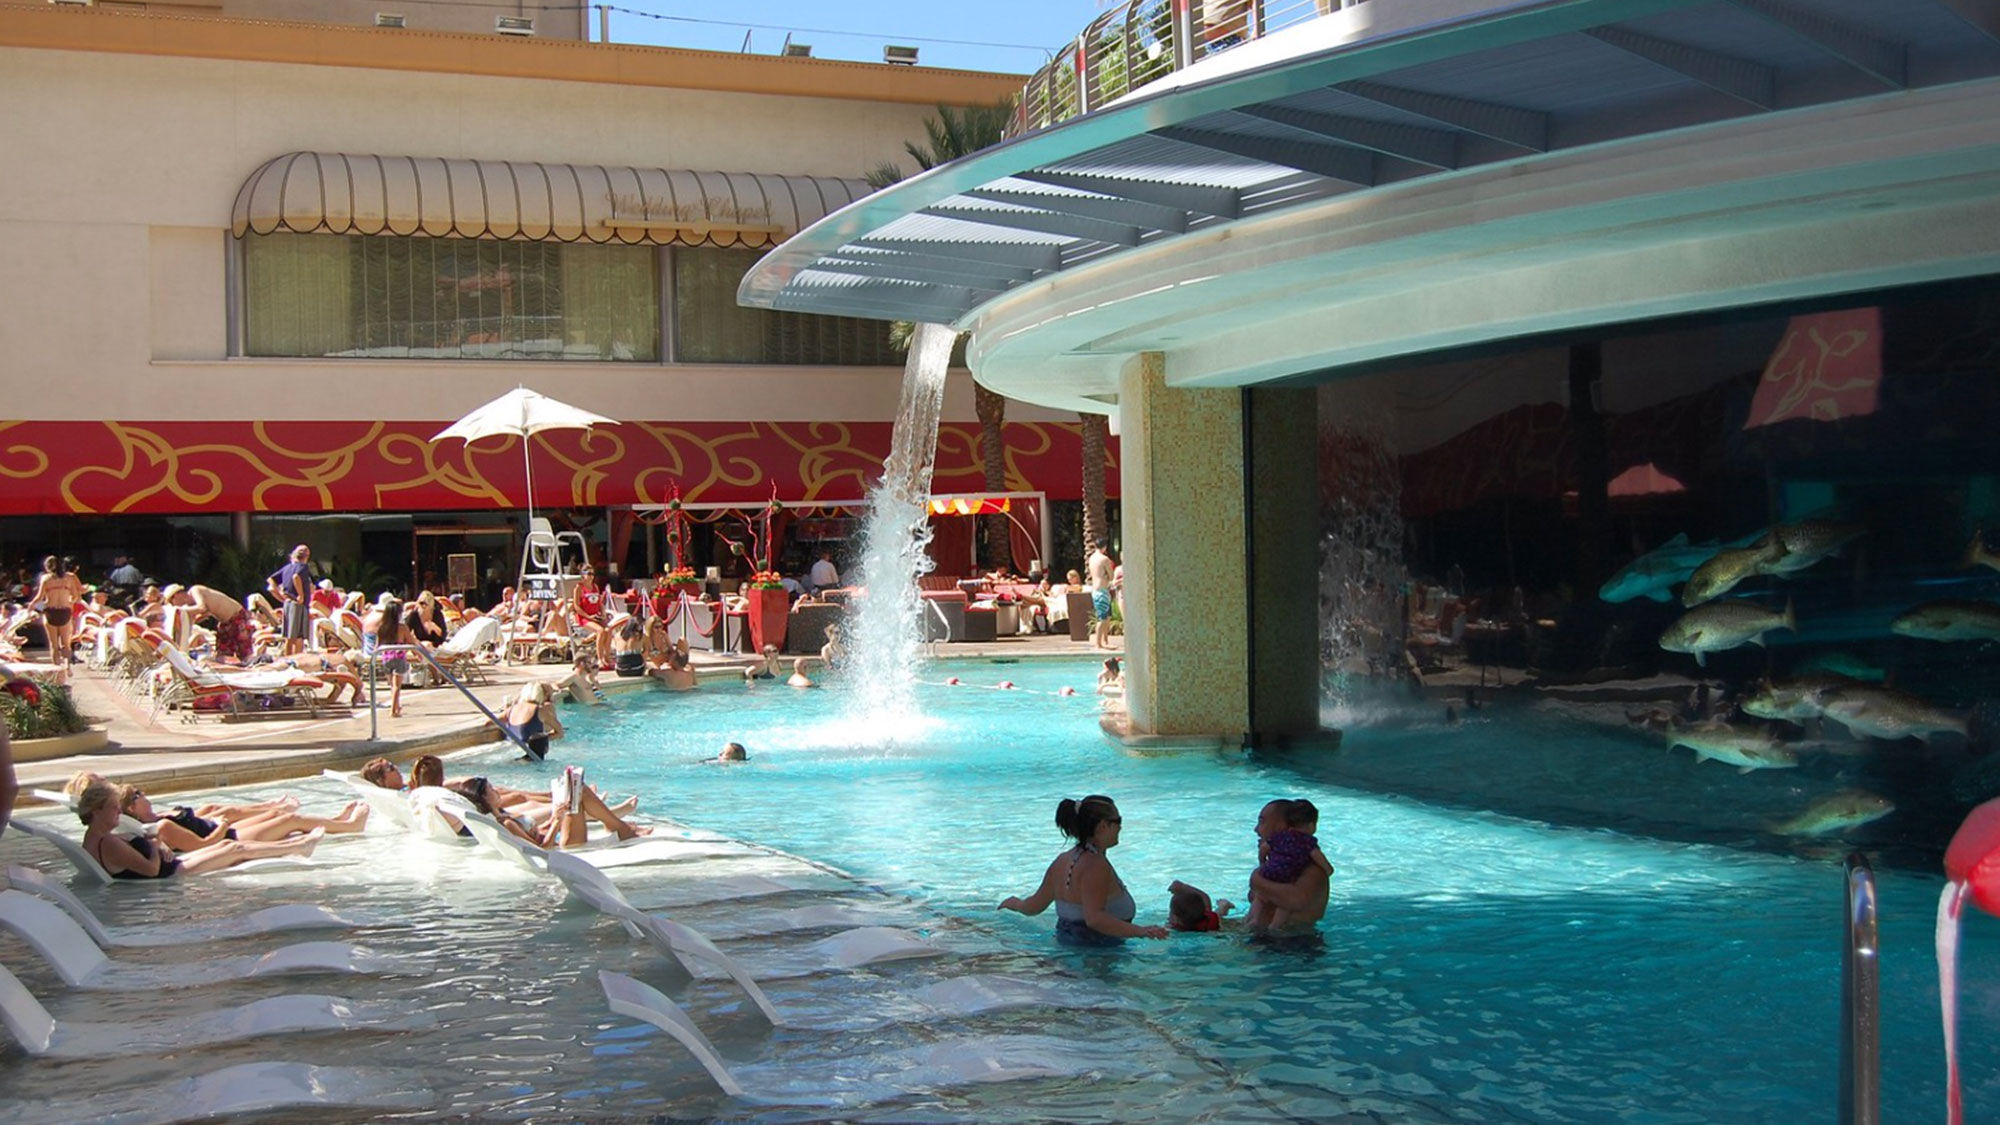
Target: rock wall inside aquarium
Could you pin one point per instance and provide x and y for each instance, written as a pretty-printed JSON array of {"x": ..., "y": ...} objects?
[{"x": 1750, "y": 570}]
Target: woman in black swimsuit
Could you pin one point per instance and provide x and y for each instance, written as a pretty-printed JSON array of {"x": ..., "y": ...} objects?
[
  {"x": 136, "y": 857},
  {"x": 186, "y": 829}
]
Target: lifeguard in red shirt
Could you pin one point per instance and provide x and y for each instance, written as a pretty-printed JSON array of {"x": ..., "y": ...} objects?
[{"x": 589, "y": 602}]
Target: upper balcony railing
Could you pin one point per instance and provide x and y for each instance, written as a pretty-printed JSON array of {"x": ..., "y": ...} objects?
[{"x": 1142, "y": 41}]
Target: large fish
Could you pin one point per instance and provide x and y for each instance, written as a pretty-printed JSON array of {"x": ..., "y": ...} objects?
[
  {"x": 1842, "y": 663},
  {"x": 1849, "y": 808},
  {"x": 1654, "y": 574},
  {"x": 1720, "y": 574},
  {"x": 1880, "y": 712},
  {"x": 1808, "y": 541},
  {"x": 1976, "y": 554},
  {"x": 1723, "y": 625},
  {"x": 1801, "y": 698},
  {"x": 1950, "y": 621},
  {"x": 1746, "y": 748}
]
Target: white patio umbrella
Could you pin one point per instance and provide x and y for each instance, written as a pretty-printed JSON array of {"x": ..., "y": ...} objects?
[{"x": 522, "y": 413}]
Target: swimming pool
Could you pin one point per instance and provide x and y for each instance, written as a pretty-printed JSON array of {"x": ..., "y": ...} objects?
[{"x": 1475, "y": 967}]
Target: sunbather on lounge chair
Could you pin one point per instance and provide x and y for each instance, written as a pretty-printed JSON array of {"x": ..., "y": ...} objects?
[
  {"x": 136, "y": 857},
  {"x": 74, "y": 790},
  {"x": 185, "y": 829},
  {"x": 429, "y": 770},
  {"x": 565, "y": 827}
]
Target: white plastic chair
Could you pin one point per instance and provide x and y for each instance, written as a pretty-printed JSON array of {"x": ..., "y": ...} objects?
[
  {"x": 81, "y": 963},
  {"x": 935, "y": 1066},
  {"x": 38, "y": 1032},
  {"x": 270, "y": 920},
  {"x": 249, "y": 1088},
  {"x": 86, "y": 864},
  {"x": 384, "y": 805},
  {"x": 604, "y": 853}
]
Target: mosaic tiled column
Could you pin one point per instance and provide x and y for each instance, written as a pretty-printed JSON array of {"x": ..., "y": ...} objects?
[{"x": 1181, "y": 484}]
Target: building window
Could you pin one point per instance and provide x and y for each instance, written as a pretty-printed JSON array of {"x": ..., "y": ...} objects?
[
  {"x": 379, "y": 297},
  {"x": 710, "y": 327}
]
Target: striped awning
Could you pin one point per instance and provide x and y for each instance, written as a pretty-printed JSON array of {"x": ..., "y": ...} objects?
[{"x": 340, "y": 193}]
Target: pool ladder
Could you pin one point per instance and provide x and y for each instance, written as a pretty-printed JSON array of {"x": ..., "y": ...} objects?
[
  {"x": 439, "y": 670},
  {"x": 1860, "y": 1001}
]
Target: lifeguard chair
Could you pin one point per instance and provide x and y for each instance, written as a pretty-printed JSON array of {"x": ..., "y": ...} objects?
[{"x": 551, "y": 564}]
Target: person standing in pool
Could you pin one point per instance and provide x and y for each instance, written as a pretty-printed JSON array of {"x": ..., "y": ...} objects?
[
  {"x": 1093, "y": 908},
  {"x": 1302, "y": 901}
]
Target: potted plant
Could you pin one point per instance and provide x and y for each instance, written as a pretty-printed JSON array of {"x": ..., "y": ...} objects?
[
  {"x": 770, "y": 609},
  {"x": 770, "y": 606}
]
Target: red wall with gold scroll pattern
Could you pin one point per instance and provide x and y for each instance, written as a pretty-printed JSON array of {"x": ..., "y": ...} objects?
[{"x": 113, "y": 467}]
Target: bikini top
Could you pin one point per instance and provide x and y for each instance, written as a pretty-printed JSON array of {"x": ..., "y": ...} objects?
[
  {"x": 144, "y": 847},
  {"x": 1118, "y": 903}
]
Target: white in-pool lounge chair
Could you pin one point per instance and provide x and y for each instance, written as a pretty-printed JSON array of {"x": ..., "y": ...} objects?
[
  {"x": 86, "y": 864},
  {"x": 250, "y": 1088},
  {"x": 38, "y": 1032},
  {"x": 850, "y": 949},
  {"x": 79, "y": 961},
  {"x": 438, "y": 811},
  {"x": 270, "y": 920},
  {"x": 386, "y": 806},
  {"x": 934, "y": 1066},
  {"x": 609, "y": 853}
]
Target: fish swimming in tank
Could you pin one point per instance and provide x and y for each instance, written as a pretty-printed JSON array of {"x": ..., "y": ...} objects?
[
  {"x": 1746, "y": 748},
  {"x": 1808, "y": 541},
  {"x": 1654, "y": 574},
  {"x": 1803, "y": 697},
  {"x": 1840, "y": 662},
  {"x": 1837, "y": 812},
  {"x": 1720, "y": 574},
  {"x": 1976, "y": 554},
  {"x": 1950, "y": 620},
  {"x": 1880, "y": 712},
  {"x": 1723, "y": 625}
]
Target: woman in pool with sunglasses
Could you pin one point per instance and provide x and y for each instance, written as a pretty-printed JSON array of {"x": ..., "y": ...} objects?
[{"x": 1093, "y": 908}]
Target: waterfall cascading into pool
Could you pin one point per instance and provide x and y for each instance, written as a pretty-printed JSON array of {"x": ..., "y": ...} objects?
[
  {"x": 886, "y": 627},
  {"x": 1362, "y": 578}
]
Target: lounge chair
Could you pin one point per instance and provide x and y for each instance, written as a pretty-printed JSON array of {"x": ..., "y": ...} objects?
[
  {"x": 464, "y": 654},
  {"x": 435, "y": 809},
  {"x": 934, "y": 1066},
  {"x": 246, "y": 1089},
  {"x": 188, "y": 685},
  {"x": 620, "y": 853},
  {"x": 384, "y": 805},
  {"x": 850, "y": 949},
  {"x": 38, "y": 1032},
  {"x": 80, "y": 962},
  {"x": 86, "y": 864},
  {"x": 270, "y": 920}
]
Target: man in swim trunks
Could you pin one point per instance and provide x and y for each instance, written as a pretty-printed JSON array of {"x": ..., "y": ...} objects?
[
  {"x": 1303, "y": 901},
  {"x": 233, "y": 632},
  {"x": 293, "y": 585},
  {"x": 1100, "y": 567}
]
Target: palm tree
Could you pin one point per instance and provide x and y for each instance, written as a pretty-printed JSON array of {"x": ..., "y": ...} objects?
[
  {"x": 1096, "y": 429},
  {"x": 953, "y": 133}
]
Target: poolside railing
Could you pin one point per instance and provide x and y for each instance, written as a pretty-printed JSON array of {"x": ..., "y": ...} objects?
[
  {"x": 439, "y": 670},
  {"x": 1137, "y": 42},
  {"x": 1861, "y": 1001}
]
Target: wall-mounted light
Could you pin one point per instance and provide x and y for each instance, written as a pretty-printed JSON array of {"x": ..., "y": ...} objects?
[{"x": 900, "y": 56}]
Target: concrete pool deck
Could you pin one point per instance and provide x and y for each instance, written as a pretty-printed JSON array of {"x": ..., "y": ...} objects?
[{"x": 165, "y": 754}]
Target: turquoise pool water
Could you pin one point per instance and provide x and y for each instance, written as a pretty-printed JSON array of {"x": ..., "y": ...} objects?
[{"x": 1475, "y": 967}]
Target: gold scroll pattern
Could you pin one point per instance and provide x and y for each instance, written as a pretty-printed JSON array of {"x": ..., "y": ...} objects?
[{"x": 113, "y": 467}]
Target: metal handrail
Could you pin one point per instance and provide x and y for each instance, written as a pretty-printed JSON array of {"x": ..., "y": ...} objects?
[
  {"x": 1139, "y": 42},
  {"x": 1861, "y": 1001},
  {"x": 374, "y": 704}
]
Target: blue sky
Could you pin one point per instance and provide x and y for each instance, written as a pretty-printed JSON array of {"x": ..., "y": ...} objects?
[{"x": 1017, "y": 34}]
